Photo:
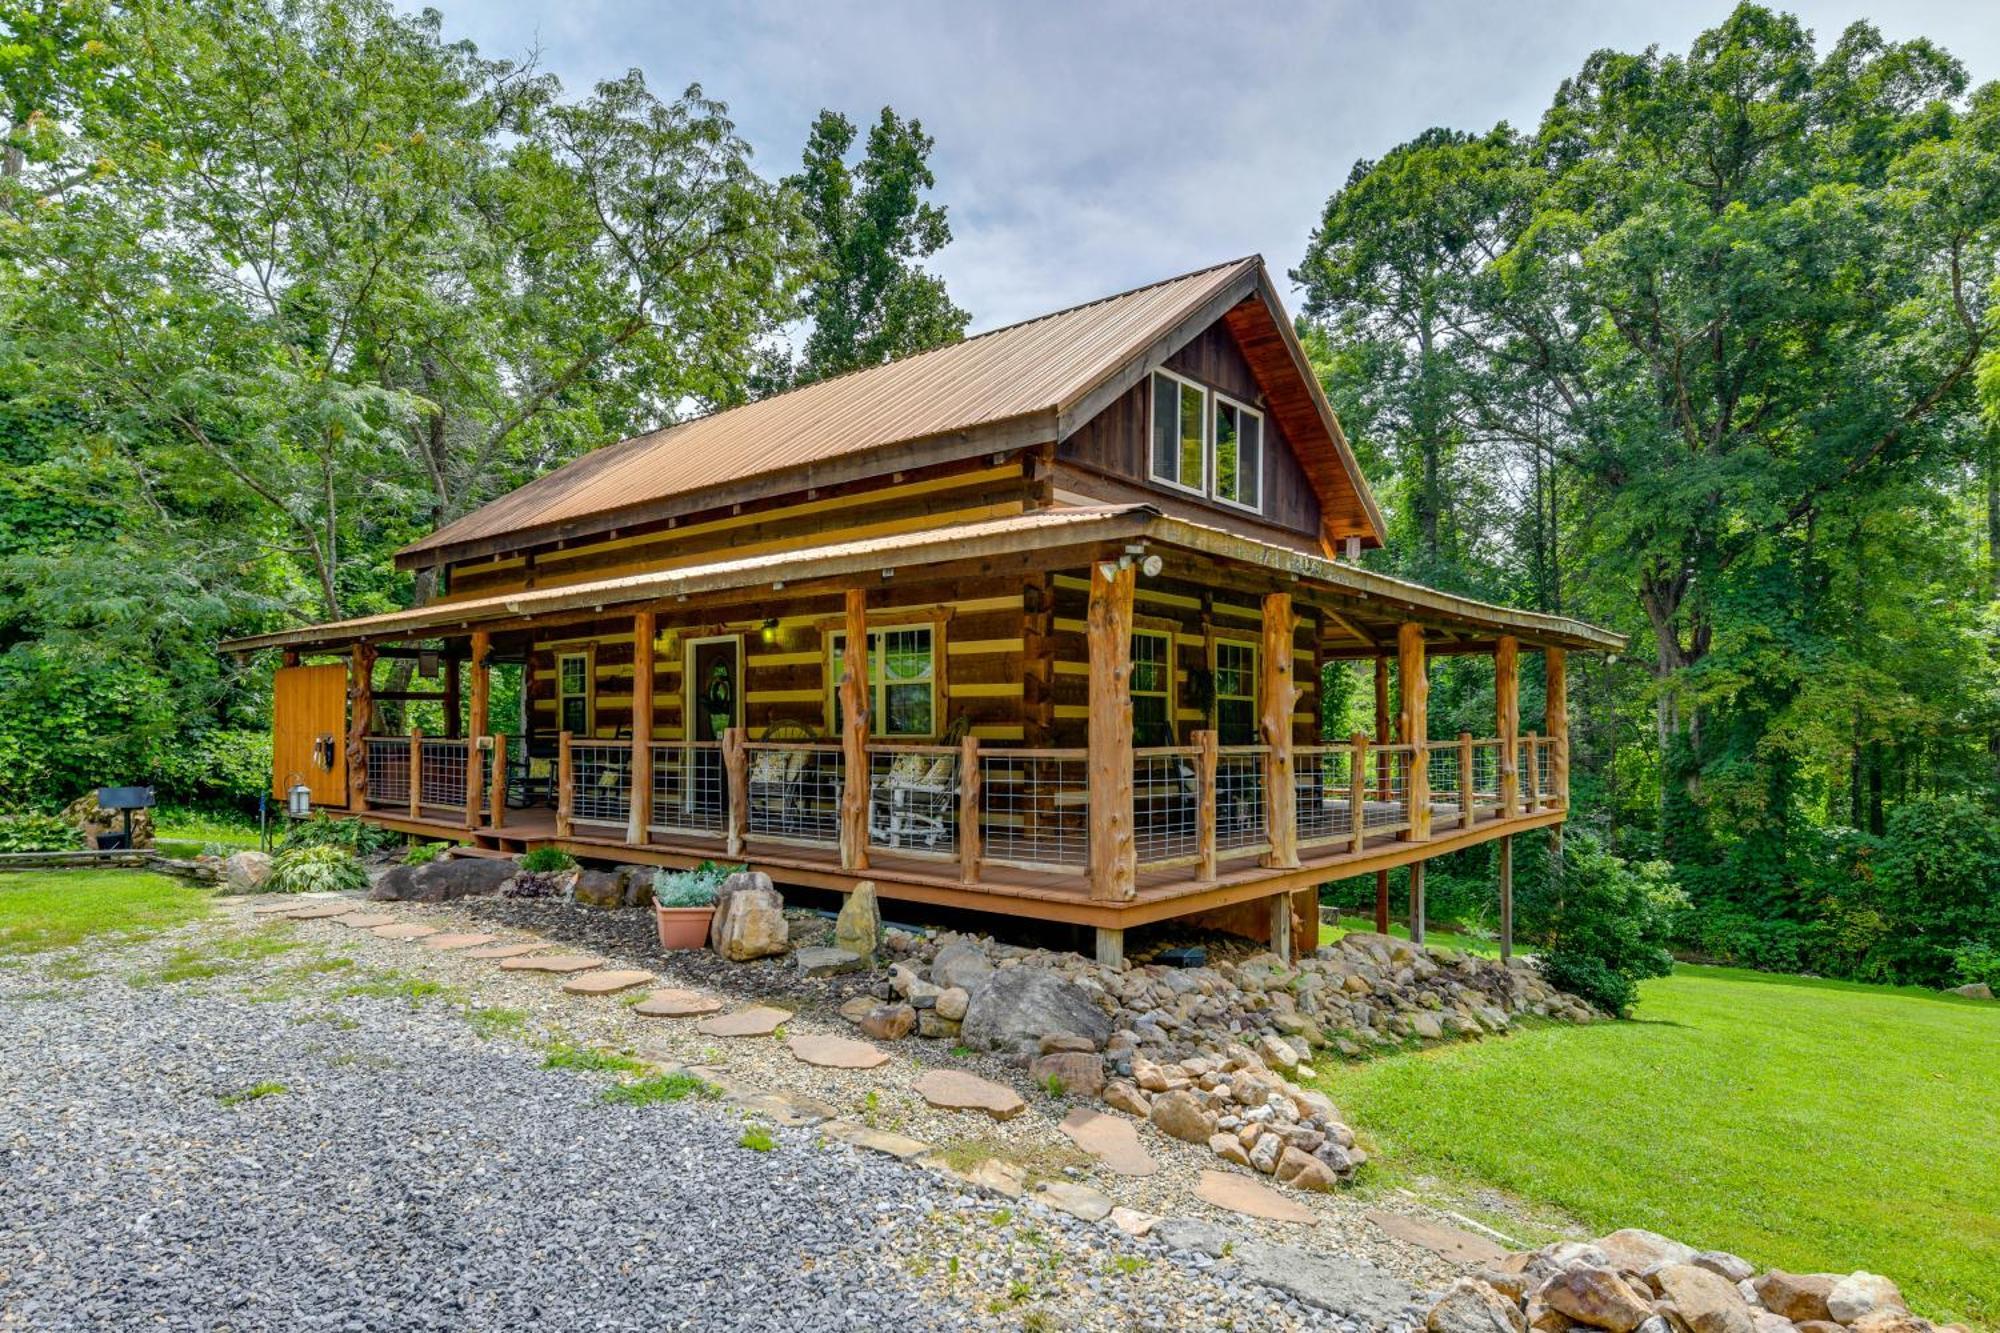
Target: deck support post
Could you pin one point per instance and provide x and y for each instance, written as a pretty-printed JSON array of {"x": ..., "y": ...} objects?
[
  {"x": 497, "y": 798},
  {"x": 1413, "y": 681},
  {"x": 360, "y": 714},
  {"x": 1110, "y": 947},
  {"x": 1507, "y": 719},
  {"x": 416, "y": 773},
  {"x": 1381, "y": 902},
  {"x": 1506, "y": 897},
  {"x": 1114, "y": 866},
  {"x": 1207, "y": 758},
  {"x": 645, "y": 626},
  {"x": 736, "y": 778},
  {"x": 854, "y": 701},
  {"x": 1357, "y": 796},
  {"x": 1281, "y": 695},
  {"x": 477, "y": 709},
  {"x": 1281, "y": 925},
  {"x": 1555, "y": 720},
  {"x": 565, "y": 787},
  {"x": 1416, "y": 902},
  {"x": 1465, "y": 779},
  {"x": 971, "y": 792}
]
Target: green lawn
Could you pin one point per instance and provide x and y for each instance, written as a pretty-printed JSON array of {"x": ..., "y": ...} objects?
[
  {"x": 55, "y": 909},
  {"x": 1807, "y": 1125},
  {"x": 181, "y": 830}
]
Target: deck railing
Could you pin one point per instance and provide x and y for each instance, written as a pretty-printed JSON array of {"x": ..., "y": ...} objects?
[{"x": 1192, "y": 805}]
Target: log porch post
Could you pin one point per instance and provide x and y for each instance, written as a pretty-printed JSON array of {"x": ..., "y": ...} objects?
[
  {"x": 565, "y": 786},
  {"x": 736, "y": 780},
  {"x": 1555, "y": 721},
  {"x": 360, "y": 714},
  {"x": 1507, "y": 719},
  {"x": 854, "y": 702},
  {"x": 971, "y": 792},
  {"x": 497, "y": 797},
  {"x": 1207, "y": 759},
  {"x": 645, "y": 626},
  {"x": 1413, "y": 678},
  {"x": 416, "y": 773},
  {"x": 477, "y": 708},
  {"x": 1281, "y": 805},
  {"x": 1114, "y": 869}
]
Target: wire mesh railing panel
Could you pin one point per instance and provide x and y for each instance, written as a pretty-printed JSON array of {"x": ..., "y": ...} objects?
[
  {"x": 1241, "y": 821},
  {"x": 690, "y": 790},
  {"x": 601, "y": 783},
  {"x": 1441, "y": 771},
  {"x": 794, "y": 792},
  {"x": 1387, "y": 808},
  {"x": 1166, "y": 805},
  {"x": 913, "y": 799},
  {"x": 442, "y": 772},
  {"x": 1322, "y": 780},
  {"x": 1034, "y": 808},
  {"x": 388, "y": 770},
  {"x": 1486, "y": 775},
  {"x": 1545, "y": 770}
]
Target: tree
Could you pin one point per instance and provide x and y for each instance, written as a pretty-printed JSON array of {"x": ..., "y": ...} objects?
[{"x": 868, "y": 298}]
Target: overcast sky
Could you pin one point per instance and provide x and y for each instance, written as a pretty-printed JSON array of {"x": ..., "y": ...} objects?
[{"x": 1085, "y": 148}]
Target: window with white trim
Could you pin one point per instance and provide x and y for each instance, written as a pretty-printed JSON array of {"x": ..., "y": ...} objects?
[
  {"x": 1152, "y": 687},
  {"x": 1235, "y": 692},
  {"x": 1239, "y": 452},
  {"x": 902, "y": 680},
  {"x": 1180, "y": 432}
]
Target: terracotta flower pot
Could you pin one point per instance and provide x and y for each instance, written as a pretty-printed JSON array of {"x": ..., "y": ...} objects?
[{"x": 683, "y": 927}]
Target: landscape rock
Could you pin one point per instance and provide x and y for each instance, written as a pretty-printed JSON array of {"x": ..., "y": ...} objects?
[
  {"x": 956, "y": 1090},
  {"x": 858, "y": 928},
  {"x": 442, "y": 880},
  {"x": 1860, "y": 1293},
  {"x": 1180, "y": 1115},
  {"x": 1636, "y": 1250},
  {"x": 1190, "y": 1233},
  {"x": 1891, "y": 1319},
  {"x": 822, "y": 961},
  {"x": 961, "y": 963},
  {"x": 1078, "y": 1074},
  {"x": 1357, "y": 1291},
  {"x": 246, "y": 872},
  {"x": 889, "y": 1022},
  {"x": 1799, "y": 1297},
  {"x": 951, "y": 1003},
  {"x": 1303, "y": 1171},
  {"x": 1707, "y": 1302},
  {"x": 1597, "y": 1297},
  {"x": 749, "y": 918},
  {"x": 1120, "y": 1095},
  {"x": 1079, "y": 1201},
  {"x": 1977, "y": 990},
  {"x": 1472, "y": 1306},
  {"x": 1014, "y": 1007},
  {"x": 1725, "y": 1265}
]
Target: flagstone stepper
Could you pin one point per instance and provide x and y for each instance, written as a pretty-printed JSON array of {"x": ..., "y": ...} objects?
[
  {"x": 674, "y": 1003},
  {"x": 320, "y": 910},
  {"x": 1111, "y": 1139},
  {"x": 366, "y": 920},
  {"x": 956, "y": 1090},
  {"x": 460, "y": 940},
  {"x": 514, "y": 950},
  {"x": 759, "y": 1020},
  {"x": 552, "y": 962},
  {"x": 1240, "y": 1194},
  {"x": 606, "y": 982},
  {"x": 837, "y": 1052},
  {"x": 407, "y": 930}
]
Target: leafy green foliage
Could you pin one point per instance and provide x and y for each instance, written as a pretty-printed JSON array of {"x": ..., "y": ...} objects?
[
  {"x": 424, "y": 853},
  {"x": 1601, "y": 924},
  {"x": 352, "y": 835},
  {"x": 542, "y": 860},
  {"x": 691, "y": 888},
  {"x": 316, "y": 868},
  {"x": 673, "y": 1087},
  {"x": 38, "y": 833}
]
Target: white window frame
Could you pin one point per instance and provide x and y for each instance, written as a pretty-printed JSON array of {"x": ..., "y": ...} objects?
[
  {"x": 1207, "y": 432},
  {"x": 878, "y": 696},
  {"x": 1216, "y": 399}
]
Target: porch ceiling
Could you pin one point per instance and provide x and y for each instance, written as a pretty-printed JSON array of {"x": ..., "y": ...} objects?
[{"x": 1352, "y": 597}]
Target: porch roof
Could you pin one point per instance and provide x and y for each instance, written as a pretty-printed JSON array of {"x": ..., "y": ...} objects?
[{"x": 1040, "y": 530}]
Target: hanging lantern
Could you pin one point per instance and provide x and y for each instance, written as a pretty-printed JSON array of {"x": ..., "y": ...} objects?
[
  {"x": 427, "y": 663},
  {"x": 299, "y": 800}
]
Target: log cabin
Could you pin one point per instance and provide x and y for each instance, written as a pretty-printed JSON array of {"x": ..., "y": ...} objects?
[{"x": 1033, "y": 624}]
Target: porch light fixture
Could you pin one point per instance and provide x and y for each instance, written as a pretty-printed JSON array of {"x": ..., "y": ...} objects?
[
  {"x": 770, "y": 629},
  {"x": 1151, "y": 566},
  {"x": 427, "y": 663}
]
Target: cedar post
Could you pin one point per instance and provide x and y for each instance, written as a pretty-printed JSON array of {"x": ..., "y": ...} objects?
[
  {"x": 1382, "y": 734},
  {"x": 1414, "y": 687},
  {"x": 1555, "y": 718},
  {"x": 854, "y": 700},
  {"x": 971, "y": 792},
  {"x": 1381, "y": 902},
  {"x": 565, "y": 787},
  {"x": 1506, "y": 897},
  {"x": 497, "y": 798},
  {"x": 416, "y": 773},
  {"x": 1281, "y": 802},
  {"x": 1531, "y": 796},
  {"x": 1110, "y": 947},
  {"x": 1507, "y": 707},
  {"x": 1465, "y": 779},
  {"x": 477, "y": 709},
  {"x": 645, "y": 626},
  {"x": 475, "y": 778},
  {"x": 1357, "y": 796},
  {"x": 1114, "y": 868},
  {"x": 360, "y": 716},
  {"x": 1206, "y": 760},
  {"x": 1280, "y": 905},
  {"x": 1416, "y": 902},
  {"x": 736, "y": 776}
]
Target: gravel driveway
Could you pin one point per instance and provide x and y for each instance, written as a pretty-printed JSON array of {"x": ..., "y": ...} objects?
[{"x": 402, "y": 1171}]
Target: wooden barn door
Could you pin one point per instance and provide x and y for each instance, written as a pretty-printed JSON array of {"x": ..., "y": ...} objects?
[{"x": 309, "y": 732}]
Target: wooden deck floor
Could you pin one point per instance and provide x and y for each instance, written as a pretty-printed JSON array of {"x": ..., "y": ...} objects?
[{"x": 1163, "y": 893}]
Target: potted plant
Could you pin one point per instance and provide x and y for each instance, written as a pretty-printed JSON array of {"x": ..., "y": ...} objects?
[{"x": 684, "y": 904}]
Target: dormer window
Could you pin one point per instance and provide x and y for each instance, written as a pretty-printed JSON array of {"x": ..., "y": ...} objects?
[{"x": 1206, "y": 442}]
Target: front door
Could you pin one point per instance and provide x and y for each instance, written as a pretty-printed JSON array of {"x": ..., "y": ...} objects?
[
  {"x": 309, "y": 732},
  {"x": 714, "y": 687}
]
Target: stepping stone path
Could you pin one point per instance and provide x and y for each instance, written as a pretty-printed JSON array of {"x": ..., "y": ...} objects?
[
  {"x": 606, "y": 983},
  {"x": 459, "y": 941},
  {"x": 553, "y": 962},
  {"x": 366, "y": 920},
  {"x": 1111, "y": 1140},
  {"x": 1133, "y": 1222},
  {"x": 759, "y": 1020},
  {"x": 1448, "y": 1242},
  {"x": 837, "y": 1052},
  {"x": 1240, "y": 1194},
  {"x": 900, "y": 1146},
  {"x": 790, "y": 1109},
  {"x": 1079, "y": 1201},
  {"x": 671, "y": 1003},
  {"x": 956, "y": 1090},
  {"x": 318, "y": 911},
  {"x": 508, "y": 950},
  {"x": 408, "y": 930}
]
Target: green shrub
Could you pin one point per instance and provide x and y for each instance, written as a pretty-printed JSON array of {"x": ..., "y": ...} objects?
[
  {"x": 544, "y": 860},
  {"x": 1975, "y": 961},
  {"x": 316, "y": 868},
  {"x": 38, "y": 833},
  {"x": 1934, "y": 875},
  {"x": 1602, "y": 923},
  {"x": 424, "y": 853},
  {"x": 351, "y": 835},
  {"x": 691, "y": 888}
]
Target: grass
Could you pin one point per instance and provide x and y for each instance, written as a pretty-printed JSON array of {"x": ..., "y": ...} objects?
[
  {"x": 1810, "y": 1125},
  {"x": 396, "y": 986},
  {"x": 254, "y": 1092},
  {"x": 757, "y": 1139},
  {"x": 492, "y": 1021},
  {"x": 660, "y": 1088},
  {"x": 562, "y": 1055},
  {"x": 197, "y": 828},
  {"x": 59, "y": 909}
]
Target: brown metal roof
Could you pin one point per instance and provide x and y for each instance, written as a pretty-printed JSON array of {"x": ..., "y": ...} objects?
[{"x": 1025, "y": 371}]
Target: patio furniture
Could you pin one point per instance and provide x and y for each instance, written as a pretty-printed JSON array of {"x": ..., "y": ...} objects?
[{"x": 915, "y": 803}]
